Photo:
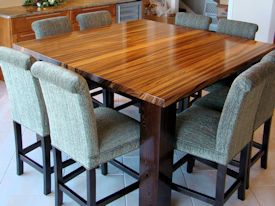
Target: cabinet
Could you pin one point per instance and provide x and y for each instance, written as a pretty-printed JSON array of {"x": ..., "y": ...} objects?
[{"x": 19, "y": 28}]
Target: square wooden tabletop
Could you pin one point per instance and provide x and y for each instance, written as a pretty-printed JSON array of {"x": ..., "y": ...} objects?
[{"x": 154, "y": 62}]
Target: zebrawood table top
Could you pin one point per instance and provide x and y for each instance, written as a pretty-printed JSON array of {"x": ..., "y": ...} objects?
[{"x": 154, "y": 62}]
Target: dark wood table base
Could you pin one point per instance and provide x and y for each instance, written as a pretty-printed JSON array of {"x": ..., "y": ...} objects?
[{"x": 156, "y": 154}]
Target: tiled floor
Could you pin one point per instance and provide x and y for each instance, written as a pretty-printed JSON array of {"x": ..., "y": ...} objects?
[{"x": 26, "y": 190}]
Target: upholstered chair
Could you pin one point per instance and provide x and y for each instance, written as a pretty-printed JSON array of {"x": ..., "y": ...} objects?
[
  {"x": 28, "y": 110},
  {"x": 89, "y": 136},
  {"x": 51, "y": 26},
  {"x": 215, "y": 137},
  {"x": 216, "y": 100},
  {"x": 193, "y": 21},
  {"x": 94, "y": 19},
  {"x": 55, "y": 26},
  {"x": 237, "y": 28}
]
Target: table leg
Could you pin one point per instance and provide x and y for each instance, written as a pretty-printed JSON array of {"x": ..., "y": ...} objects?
[{"x": 156, "y": 154}]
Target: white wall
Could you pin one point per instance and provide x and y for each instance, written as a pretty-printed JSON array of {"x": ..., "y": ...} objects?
[
  {"x": 9, "y": 3},
  {"x": 272, "y": 25},
  {"x": 174, "y": 4},
  {"x": 260, "y": 12}
]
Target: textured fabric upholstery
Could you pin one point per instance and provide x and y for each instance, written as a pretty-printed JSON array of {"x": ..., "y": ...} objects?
[
  {"x": 94, "y": 19},
  {"x": 196, "y": 132},
  {"x": 225, "y": 83},
  {"x": 237, "y": 28},
  {"x": 234, "y": 125},
  {"x": 51, "y": 26},
  {"x": 89, "y": 136},
  {"x": 216, "y": 99},
  {"x": 191, "y": 20},
  {"x": 117, "y": 133},
  {"x": 27, "y": 104},
  {"x": 267, "y": 103},
  {"x": 270, "y": 57}
]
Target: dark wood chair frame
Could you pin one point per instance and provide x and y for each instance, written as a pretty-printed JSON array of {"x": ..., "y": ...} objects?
[
  {"x": 262, "y": 152},
  {"x": 21, "y": 156},
  {"x": 221, "y": 195},
  {"x": 61, "y": 180},
  {"x": 188, "y": 101}
]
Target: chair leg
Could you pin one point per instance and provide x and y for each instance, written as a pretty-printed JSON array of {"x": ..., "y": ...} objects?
[
  {"x": 244, "y": 160},
  {"x": 18, "y": 147},
  {"x": 91, "y": 187},
  {"x": 108, "y": 98},
  {"x": 265, "y": 144},
  {"x": 199, "y": 94},
  {"x": 249, "y": 165},
  {"x": 183, "y": 104},
  {"x": 104, "y": 168},
  {"x": 46, "y": 154},
  {"x": 186, "y": 103},
  {"x": 190, "y": 164},
  {"x": 58, "y": 176},
  {"x": 220, "y": 185},
  {"x": 180, "y": 106}
]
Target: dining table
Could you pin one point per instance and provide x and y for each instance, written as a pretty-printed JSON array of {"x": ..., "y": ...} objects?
[{"x": 158, "y": 64}]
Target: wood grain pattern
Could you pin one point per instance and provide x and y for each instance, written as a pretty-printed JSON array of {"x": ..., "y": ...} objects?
[
  {"x": 15, "y": 22},
  {"x": 154, "y": 62}
]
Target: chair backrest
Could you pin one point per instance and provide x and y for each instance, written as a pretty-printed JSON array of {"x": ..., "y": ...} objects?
[
  {"x": 25, "y": 95},
  {"x": 211, "y": 10},
  {"x": 70, "y": 111},
  {"x": 267, "y": 102},
  {"x": 192, "y": 20},
  {"x": 51, "y": 26},
  {"x": 238, "y": 115},
  {"x": 94, "y": 19},
  {"x": 237, "y": 28}
]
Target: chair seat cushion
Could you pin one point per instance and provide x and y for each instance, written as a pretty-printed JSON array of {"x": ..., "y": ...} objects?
[
  {"x": 117, "y": 133},
  {"x": 217, "y": 86},
  {"x": 196, "y": 133},
  {"x": 214, "y": 100}
]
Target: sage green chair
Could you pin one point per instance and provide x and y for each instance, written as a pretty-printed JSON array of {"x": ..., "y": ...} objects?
[
  {"x": 51, "y": 26},
  {"x": 94, "y": 19},
  {"x": 55, "y": 26},
  {"x": 216, "y": 100},
  {"x": 217, "y": 137},
  {"x": 28, "y": 110},
  {"x": 238, "y": 29},
  {"x": 192, "y": 20},
  {"x": 89, "y": 136}
]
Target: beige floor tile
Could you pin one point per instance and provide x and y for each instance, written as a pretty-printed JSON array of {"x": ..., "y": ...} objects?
[
  {"x": 105, "y": 185},
  {"x": 265, "y": 195},
  {"x": 27, "y": 200}
]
